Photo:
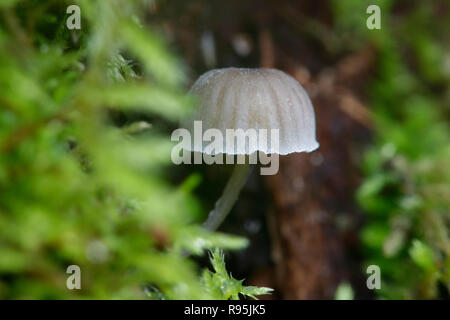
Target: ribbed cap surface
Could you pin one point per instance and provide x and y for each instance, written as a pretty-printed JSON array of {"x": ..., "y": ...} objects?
[{"x": 235, "y": 98}]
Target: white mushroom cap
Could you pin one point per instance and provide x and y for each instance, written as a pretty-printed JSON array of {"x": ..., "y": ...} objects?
[{"x": 236, "y": 98}]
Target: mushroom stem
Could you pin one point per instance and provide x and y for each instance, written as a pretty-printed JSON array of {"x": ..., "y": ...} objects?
[{"x": 229, "y": 196}]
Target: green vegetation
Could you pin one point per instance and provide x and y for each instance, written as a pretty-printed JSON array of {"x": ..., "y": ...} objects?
[
  {"x": 406, "y": 192},
  {"x": 75, "y": 188},
  {"x": 81, "y": 183},
  {"x": 221, "y": 284}
]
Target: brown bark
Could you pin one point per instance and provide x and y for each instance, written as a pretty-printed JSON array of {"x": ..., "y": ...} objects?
[{"x": 313, "y": 211}]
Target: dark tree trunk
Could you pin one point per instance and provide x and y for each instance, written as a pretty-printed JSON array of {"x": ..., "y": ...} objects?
[{"x": 314, "y": 219}]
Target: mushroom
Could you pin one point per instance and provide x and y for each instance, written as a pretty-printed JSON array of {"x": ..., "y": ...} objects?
[{"x": 240, "y": 98}]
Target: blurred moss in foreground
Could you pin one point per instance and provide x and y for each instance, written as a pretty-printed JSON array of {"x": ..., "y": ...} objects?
[{"x": 73, "y": 188}]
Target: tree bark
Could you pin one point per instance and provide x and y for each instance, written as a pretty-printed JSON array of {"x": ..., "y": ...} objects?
[{"x": 314, "y": 219}]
